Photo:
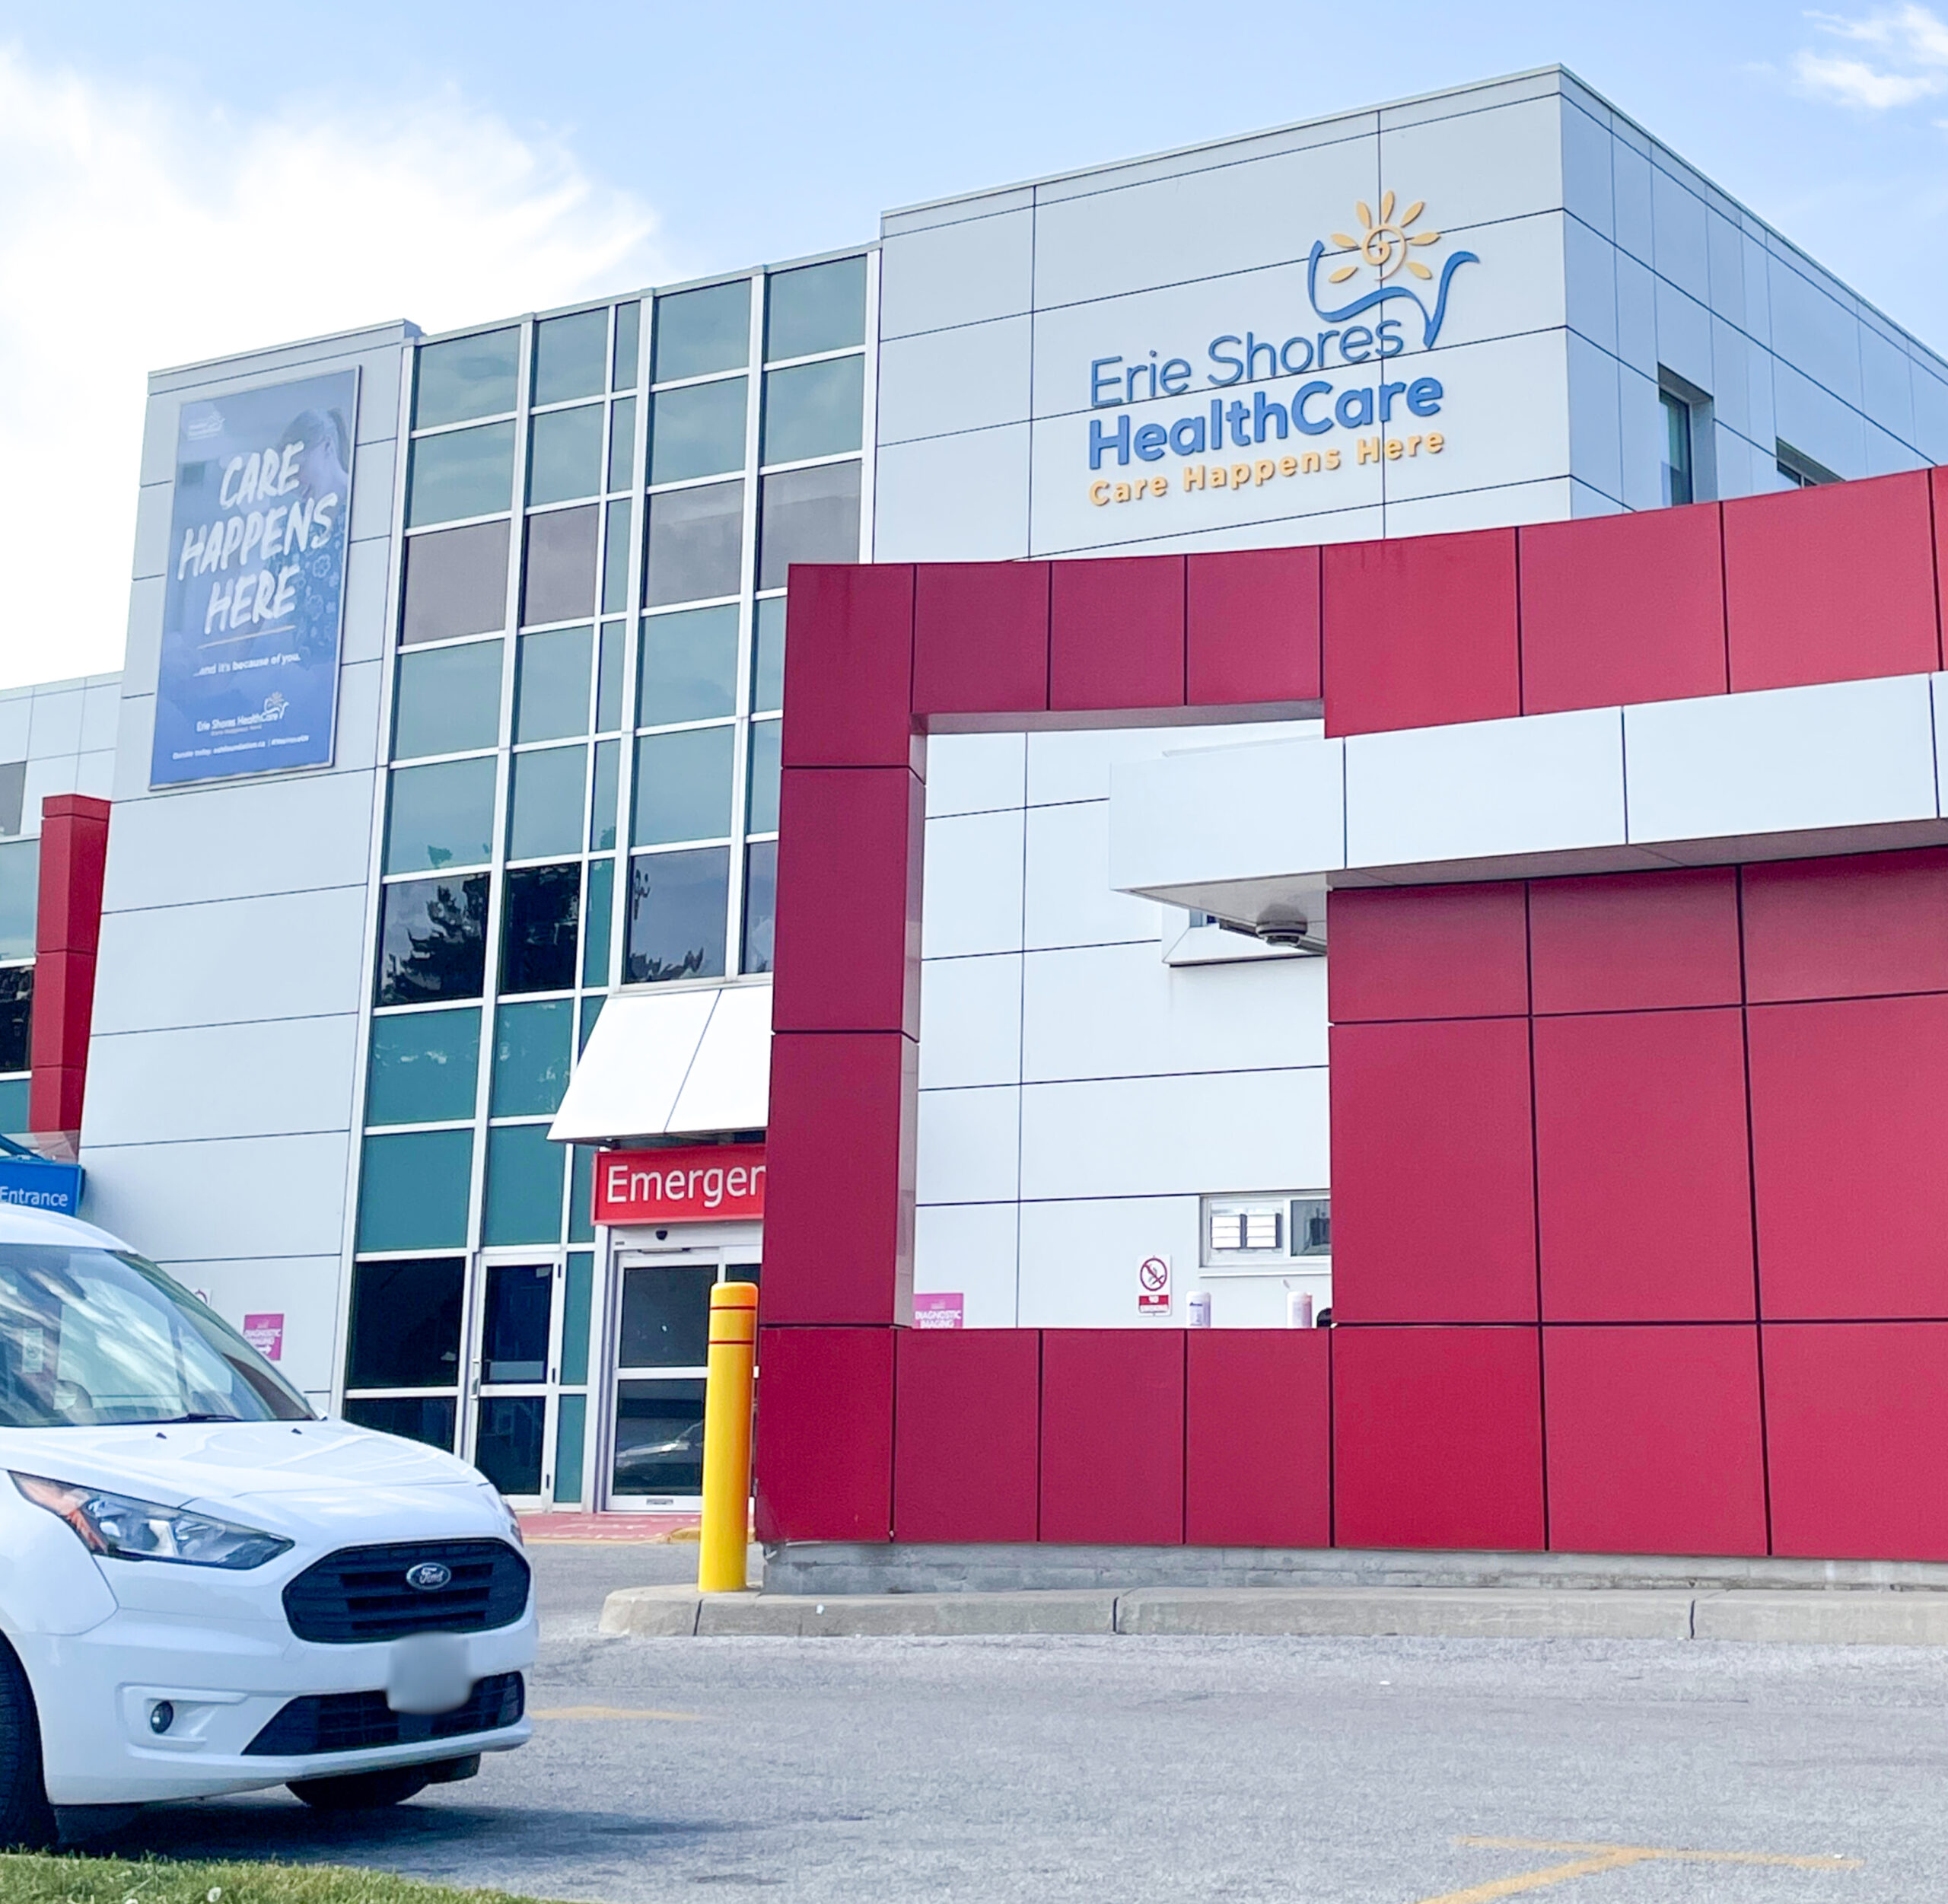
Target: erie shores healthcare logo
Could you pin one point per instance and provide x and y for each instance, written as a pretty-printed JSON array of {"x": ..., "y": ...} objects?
[{"x": 1386, "y": 299}]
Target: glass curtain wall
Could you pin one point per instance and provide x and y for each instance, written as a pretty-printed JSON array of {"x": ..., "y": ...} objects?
[{"x": 600, "y": 507}]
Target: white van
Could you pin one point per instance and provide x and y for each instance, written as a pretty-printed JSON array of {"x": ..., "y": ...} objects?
[{"x": 203, "y": 1587}]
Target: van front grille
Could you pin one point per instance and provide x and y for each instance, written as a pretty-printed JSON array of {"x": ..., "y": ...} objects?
[
  {"x": 362, "y": 1594},
  {"x": 361, "y": 1721}
]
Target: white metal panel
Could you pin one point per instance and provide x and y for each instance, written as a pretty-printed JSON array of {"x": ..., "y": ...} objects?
[
  {"x": 971, "y": 897},
  {"x": 956, "y": 274},
  {"x": 1079, "y": 1260},
  {"x": 728, "y": 1085},
  {"x": 1078, "y": 765},
  {"x": 1478, "y": 166},
  {"x": 970, "y": 1021},
  {"x": 1684, "y": 335},
  {"x": 1587, "y": 193},
  {"x": 1069, "y": 899},
  {"x": 968, "y": 1250},
  {"x": 1680, "y": 250},
  {"x": 959, "y": 498},
  {"x": 56, "y": 723},
  {"x": 627, "y": 1080},
  {"x": 1490, "y": 439},
  {"x": 970, "y": 1146},
  {"x": 1596, "y": 444},
  {"x": 944, "y": 382},
  {"x": 975, "y": 773}
]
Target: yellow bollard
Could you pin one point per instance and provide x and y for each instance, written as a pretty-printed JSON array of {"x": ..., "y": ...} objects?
[{"x": 726, "y": 1438}]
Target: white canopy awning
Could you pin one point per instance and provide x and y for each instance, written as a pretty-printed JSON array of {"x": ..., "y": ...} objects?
[{"x": 672, "y": 1064}]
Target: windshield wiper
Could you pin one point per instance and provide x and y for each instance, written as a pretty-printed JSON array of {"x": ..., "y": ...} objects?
[{"x": 177, "y": 1421}]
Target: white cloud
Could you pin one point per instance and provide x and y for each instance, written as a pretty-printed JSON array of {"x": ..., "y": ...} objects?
[
  {"x": 134, "y": 235},
  {"x": 1909, "y": 43}
]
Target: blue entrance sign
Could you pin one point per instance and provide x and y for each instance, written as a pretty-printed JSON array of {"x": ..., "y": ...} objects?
[
  {"x": 255, "y": 593},
  {"x": 38, "y": 1184}
]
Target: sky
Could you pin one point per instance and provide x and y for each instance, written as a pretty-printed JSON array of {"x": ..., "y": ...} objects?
[{"x": 175, "y": 185}]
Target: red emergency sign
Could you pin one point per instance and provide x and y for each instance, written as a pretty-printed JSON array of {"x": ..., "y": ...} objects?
[{"x": 700, "y": 1183}]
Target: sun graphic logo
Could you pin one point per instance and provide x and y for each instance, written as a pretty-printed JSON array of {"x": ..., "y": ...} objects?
[{"x": 1385, "y": 246}]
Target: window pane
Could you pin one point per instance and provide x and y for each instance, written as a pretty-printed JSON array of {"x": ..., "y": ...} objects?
[
  {"x": 466, "y": 472},
  {"x": 591, "y": 1011},
  {"x": 541, "y": 912},
  {"x": 19, "y": 897},
  {"x": 524, "y": 1186},
  {"x": 466, "y": 376},
  {"x": 760, "y": 904},
  {"x": 551, "y": 690},
  {"x": 412, "y": 1195},
  {"x": 808, "y": 515},
  {"x": 602, "y": 801},
  {"x": 665, "y": 1316},
  {"x": 659, "y": 1436},
  {"x": 571, "y": 354},
  {"x": 577, "y": 1305},
  {"x": 531, "y": 1057},
  {"x": 424, "y": 1067},
  {"x": 16, "y": 1019},
  {"x": 571, "y": 1432},
  {"x": 690, "y": 667},
  {"x": 1677, "y": 449},
  {"x": 677, "y": 914},
  {"x": 609, "y": 677},
  {"x": 441, "y": 816},
  {"x": 698, "y": 332},
  {"x": 515, "y": 1321},
  {"x": 767, "y": 661},
  {"x": 559, "y": 581},
  {"x": 14, "y": 1117},
  {"x": 508, "y": 1434},
  {"x": 456, "y": 583},
  {"x": 13, "y": 794},
  {"x": 448, "y": 700},
  {"x": 816, "y": 409},
  {"x": 432, "y": 941},
  {"x": 564, "y": 454},
  {"x": 683, "y": 786},
  {"x": 616, "y": 557},
  {"x": 765, "y": 742},
  {"x": 405, "y": 1331},
  {"x": 545, "y": 807},
  {"x": 429, "y": 1418},
  {"x": 816, "y": 308},
  {"x": 698, "y": 431},
  {"x": 595, "y": 937},
  {"x": 628, "y": 345},
  {"x": 622, "y": 444},
  {"x": 581, "y": 1194},
  {"x": 696, "y": 540}
]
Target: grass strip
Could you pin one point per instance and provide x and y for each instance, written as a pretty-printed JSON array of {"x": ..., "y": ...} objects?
[{"x": 34, "y": 1878}]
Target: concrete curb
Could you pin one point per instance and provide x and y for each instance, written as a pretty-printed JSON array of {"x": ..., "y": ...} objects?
[{"x": 1858, "y": 1617}]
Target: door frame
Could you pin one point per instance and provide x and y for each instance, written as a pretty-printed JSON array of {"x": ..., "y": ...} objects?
[{"x": 549, "y": 1387}]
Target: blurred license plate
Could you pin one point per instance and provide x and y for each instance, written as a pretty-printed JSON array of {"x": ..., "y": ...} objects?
[{"x": 428, "y": 1674}]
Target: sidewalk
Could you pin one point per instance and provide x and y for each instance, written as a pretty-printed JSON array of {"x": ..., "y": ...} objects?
[{"x": 534, "y": 1527}]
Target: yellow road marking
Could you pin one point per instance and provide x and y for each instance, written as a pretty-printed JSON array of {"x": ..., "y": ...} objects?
[
  {"x": 606, "y": 1712},
  {"x": 1592, "y": 1858}
]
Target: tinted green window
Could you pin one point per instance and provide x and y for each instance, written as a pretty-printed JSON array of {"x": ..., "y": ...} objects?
[
  {"x": 697, "y": 432},
  {"x": 544, "y": 815},
  {"x": 406, "y": 1319},
  {"x": 760, "y": 904},
  {"x": 16, "y": 1022},
  {"x": 13, "y": 1105},
  {"x": 690, "y": 667},
  {"x": 571, "y": 356},
  {"x": 413, "y": 1191},
  {"x": 448, "y": 700},
  {"x": 764, "y": 741},
  {"x": 628, "y": 345},
  {"x": 696, "y": 542},
  {"x": 767, "y": 659},
  {"x": 615, "y": 556},
  {"x": 622, "y": 443},
  {"x": 698, "y": 332},
  {"x": 429, "y": 1418},
  {"x": 683, "y": 785},
  {"x": 551, "y": 691},
  {"x": 467, "y": 377},
  {"x": 440, "y": 816},
  {"x": 570, "y": 1431},
  {"x": 539, "y": 921},
  {"x": 591, "y": 1011},
  {"x": 813, "y": 409},
  {"x": 424, "y": 1067},
  {"x": 465, "y": 473},
  {"x": 807, "y": 515},
  {"x": 577, "y": 1304},
  {"x": 524, "y": 1186},
  {"x": 677, "y": 907},
  {"x": 595, "y": 937},
  {"x": 531, "y": 1057},
  {"x": 559, "y": 582},
  {"x": 456, "y": 583},
  {"x": 609, "y": 677},
  {"x": 601, "y": 799},
  {"x": 19, "y": 897},
  {"x": 432, "y": 940},
  {"x": 565, "y": 455},
  {"x": 581, "y": 1195},
  {"x": 816, "y": 308}
]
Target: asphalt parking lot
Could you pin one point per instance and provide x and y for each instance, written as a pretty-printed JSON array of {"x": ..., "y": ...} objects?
[{"x": 1323, "y": 1772}]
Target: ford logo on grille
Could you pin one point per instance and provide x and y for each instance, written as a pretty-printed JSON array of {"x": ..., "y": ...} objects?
[{"x": 429, "y": 1576}]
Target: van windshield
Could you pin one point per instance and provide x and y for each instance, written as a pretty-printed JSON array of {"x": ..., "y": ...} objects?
[{"x": 92, "y": 1338}]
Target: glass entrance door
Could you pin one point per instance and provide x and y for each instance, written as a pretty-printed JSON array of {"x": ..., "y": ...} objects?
[{"x": 516, "y": 1367}]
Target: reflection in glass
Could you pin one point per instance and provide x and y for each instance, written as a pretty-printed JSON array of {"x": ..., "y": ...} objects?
[
  {"x": 551, "y": 686},
  {"x": 696, "y": 541},
  {"x": 413, "y": 1189},
  {"x": 698, "y": 431},
  {"x": 677, "y": 903},
  {"x": 447, "y": 700},
  {"x": 405, "y": 1328},
  {"x": 601, "y": 799},
  {"x": 622, "y": 444},
  {"x": 559, "y": 583},
  {"x": 464, "y": 472},
  {"x": 507, "y": 1443},
  {"x": 659, "y": 1437},
  {"x": 524, "y": 1186},
  {"x": 807, "y": 515},
  {"x": 441, "y": 815},
  {"x": 424, "y": 1065},
  {"x": 615, "y": 556},
  {"x": 455, "y": 583},
  {"x": 591, "y": 1011},
  {"x": 16, "y": 1020},
  {"x": 760, "y": 904},
  {"x": 601, "y": 915},
  {"x": 544, "y": 807},
  {"x": 690, "y": 667},
  {"x": 515, "y": 1322},
  {"x": 564, "y": 454},
  {"x": 413, "y": 1418},
  {"x": 538, "y": 923},
  {"x": 816, "y": 308},
  {"x": 609, "y": 677},
  {"x": 577, "y": 1304},
  {"x": 814, "y": 409},
  {"x": 20, "y": 896},
  {"x": 466, "y": 376},
  {"x": 666, "y": 1315},
  {"x": 531, "y": 1057},
  {"x": 683, "y": 785},
  {"x": 570, "y": 1431},
  {"x": 698, "y": 332},
  {"x": 432, "y": 940},
  {"x": 765, "y": 742},
  {"x": 571, "y": 356},
  {"x": 628, "y": 345},
  {"x": 768, "y": 657}
]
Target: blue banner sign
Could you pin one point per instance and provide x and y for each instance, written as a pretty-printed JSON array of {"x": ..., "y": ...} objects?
[
  {"x": 255, "y": 598},
  {"x": 37, "y": 1184}
]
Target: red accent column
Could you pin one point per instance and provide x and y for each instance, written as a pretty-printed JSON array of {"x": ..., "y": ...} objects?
[{"x": 74, "y": 858}]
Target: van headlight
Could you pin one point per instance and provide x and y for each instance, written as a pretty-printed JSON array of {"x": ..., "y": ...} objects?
[{"x": 125, "y": 1529}]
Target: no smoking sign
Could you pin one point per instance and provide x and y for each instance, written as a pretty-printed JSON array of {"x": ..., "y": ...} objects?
[{"x": 1153, "y": 1286}]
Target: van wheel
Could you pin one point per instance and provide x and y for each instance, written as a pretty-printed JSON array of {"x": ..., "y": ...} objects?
[
  {"x": 27, "y": 1822},
  {"x": 362, "y": 1790}
]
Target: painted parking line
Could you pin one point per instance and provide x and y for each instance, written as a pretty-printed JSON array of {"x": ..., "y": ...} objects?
[
  {"x": 1590, "y": 1859},
  {"x": 606, "y": 1712}
]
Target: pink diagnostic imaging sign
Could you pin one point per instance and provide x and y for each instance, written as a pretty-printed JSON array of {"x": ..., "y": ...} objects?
[
  {"x": 265, "y": 1335},
  {"x": 940, "y": 1309}
]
